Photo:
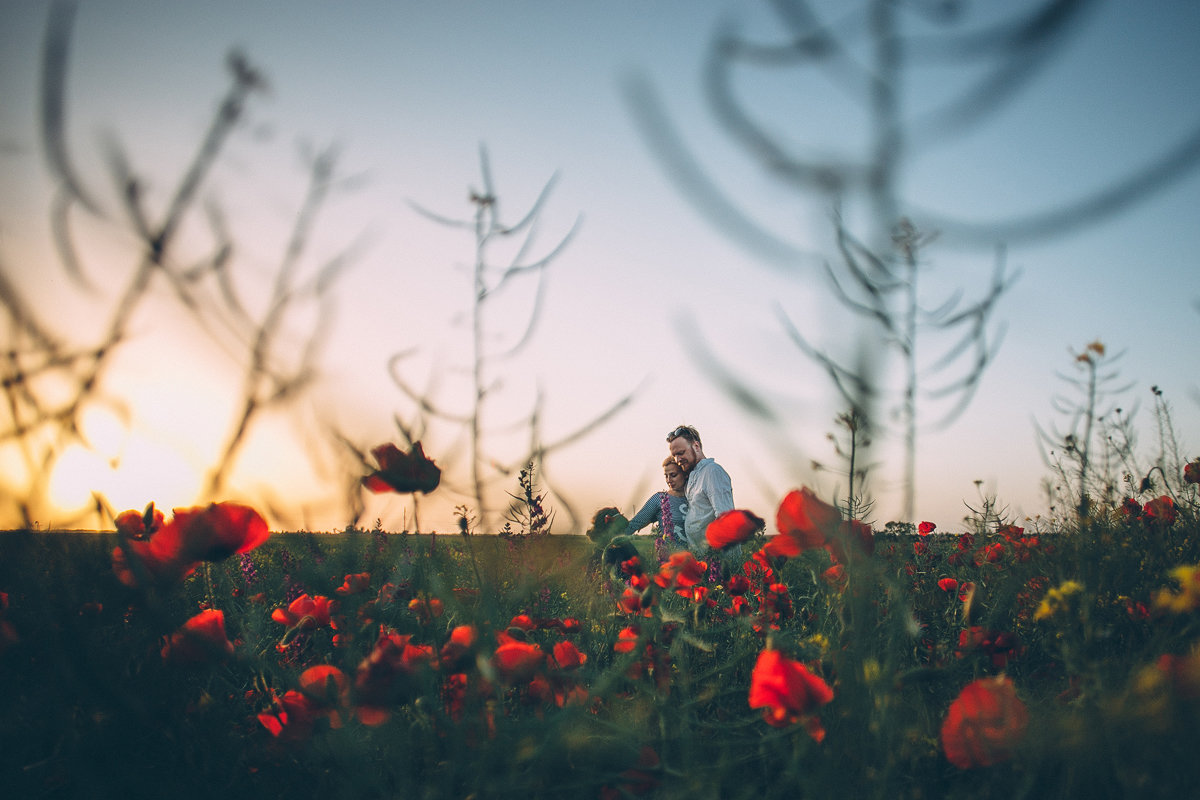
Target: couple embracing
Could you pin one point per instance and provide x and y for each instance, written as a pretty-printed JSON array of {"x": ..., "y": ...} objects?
[{"x": 698, "y": 491}]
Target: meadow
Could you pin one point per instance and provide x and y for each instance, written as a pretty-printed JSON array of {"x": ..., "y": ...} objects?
[{"x": 821, "y": 657}]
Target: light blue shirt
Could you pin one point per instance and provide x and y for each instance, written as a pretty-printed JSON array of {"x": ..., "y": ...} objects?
[{"x": 709, "y": 495}]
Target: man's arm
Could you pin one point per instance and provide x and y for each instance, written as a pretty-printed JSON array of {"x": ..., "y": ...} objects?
[{"x": 720, "y": 490}]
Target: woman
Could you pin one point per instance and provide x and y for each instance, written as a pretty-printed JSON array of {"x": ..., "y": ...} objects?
[{"x": 667, "y": 509}]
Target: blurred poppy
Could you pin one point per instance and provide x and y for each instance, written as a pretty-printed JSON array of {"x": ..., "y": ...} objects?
[
  {"x": 313, "y": 612},
  {"x": 1160, "y": 510},
  {"x": 385, "y": 674},
  {"x": 788, "y": 692},
  {"x": 568, "y": 656},
  {"x": 426, "y": 608},
  {"x": 681, "y": 571},
  {"x": 626, "y": 640},
  {"x": 804, "y": 523},
  {"x": 926, "y": 528},
  {"x": 522, "y": 621},
  {"x": 737, "y": 585},
  {"x": 456, "y": 649},
  {"x": 202, "y": 638},
  {"x": 354, "y": 584},
  {"x": 948, "y": 584},
  {"x": 1191, "y": 471},
  {"x": 859, "y": 535},
  {"x": 516, "y": 661},
  {"x": 984, "y": 724},
  {"x": 732, "y": 527},
  {"x": 402, "y": 472},
  {"x": 139, "y": 524},
  {"x": 210, "y": 533}
]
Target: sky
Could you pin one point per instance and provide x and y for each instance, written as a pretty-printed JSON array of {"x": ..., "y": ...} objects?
[{"x": 650, "y": 291}]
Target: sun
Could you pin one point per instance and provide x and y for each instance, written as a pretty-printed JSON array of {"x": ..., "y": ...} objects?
[{"x": 125, "y": 468}]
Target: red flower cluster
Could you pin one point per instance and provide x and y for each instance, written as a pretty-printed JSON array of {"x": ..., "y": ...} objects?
[
  {"x": 999, "y": 646},
  {"x": 926, "y": 528},
  {"x": 788, "y": 692},
  {"x": 681, "y": 572},
  {"x": 324, "y": 690},
  {"x": 985, "y": 723},
  {"x": 164, "y": 553},
  {"x": 383, "y": 676},
  {"x": 1159, "y": 511}
]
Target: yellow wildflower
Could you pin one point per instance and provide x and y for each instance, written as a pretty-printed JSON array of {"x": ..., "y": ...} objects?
[
  {"x": 1056, "y": 599},
  {"x": 1187, "y": 598}
]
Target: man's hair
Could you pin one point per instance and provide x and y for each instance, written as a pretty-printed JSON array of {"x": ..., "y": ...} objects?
[{"x": 686, "y": 432}]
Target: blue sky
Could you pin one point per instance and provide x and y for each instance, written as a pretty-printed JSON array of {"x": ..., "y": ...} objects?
[{"x": 409, "y": 91}]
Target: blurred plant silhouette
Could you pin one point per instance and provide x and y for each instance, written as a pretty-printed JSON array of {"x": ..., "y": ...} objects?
[
  {"x": 51, "y": 377},
  {"x": 490, "y": 348},
  {"x": 867, "y": 50}
]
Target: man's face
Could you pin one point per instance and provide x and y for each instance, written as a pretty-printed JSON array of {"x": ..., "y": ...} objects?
[{"x": 685, "y": 453}]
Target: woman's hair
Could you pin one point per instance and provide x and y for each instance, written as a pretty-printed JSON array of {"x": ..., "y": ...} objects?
[{"x": 668, "y": 460}]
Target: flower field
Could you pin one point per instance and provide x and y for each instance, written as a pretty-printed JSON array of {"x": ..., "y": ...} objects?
[{"x": 198, "y": 656}]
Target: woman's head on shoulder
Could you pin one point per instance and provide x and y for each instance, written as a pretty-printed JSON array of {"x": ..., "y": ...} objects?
[{"x": 675, "y": 476}]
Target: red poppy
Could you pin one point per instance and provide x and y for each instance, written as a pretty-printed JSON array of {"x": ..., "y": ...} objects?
[
  {"x": 202, "y": 638},
  {"x": 354, "y": 584},
  {"x": 455, "y": 651},
  {"x": 737, "y": 585},
  {"x": 835, "y": 576},
  {"x": 171, "y": 552},
  {"x": 516, "y": 661},
  {"x": 291, "y": 717},
  {"x": 926, "y": 528},
  {"x": 522, "y": 621},
  {"x": 985, "y": 723},
  {"x": 948, "y": 584},
  {"x": 860, "y": 535},
  {"x": 385, "y": 671},
  {"x": 732, "y": 527},
  {"x": 139, "y": 524},
  {"x": 1182, "y": 672},
  {"x": 1160, "y": 510},
  {"x": 571, "y": 625},
  {"x": 788, "y": 692},
  {"x": 681, "y": 571},
  {"x": 1000, "y": 646},
  {"x": 626, "y": 640},
  {"x": 568, "y": 656},
  {"x": 426, "y": 608},
  {"x": 1131, "y": 508},
  {"x": 323, "y": 690},
  {"x": 1191, "y": 471},
  {"x": 804, "y": 523},
  {"x": 402, "y": 472},
  {"x": 633, "y": 602},
  {"x": 219, "y": 530},
  {"x": 310, "y": 612}
]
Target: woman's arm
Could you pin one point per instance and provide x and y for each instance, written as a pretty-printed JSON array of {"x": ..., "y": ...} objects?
[{"x": 649, "y": 513}]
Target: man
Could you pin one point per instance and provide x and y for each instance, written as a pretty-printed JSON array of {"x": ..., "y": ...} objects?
[{"x": 709, "y": 490}]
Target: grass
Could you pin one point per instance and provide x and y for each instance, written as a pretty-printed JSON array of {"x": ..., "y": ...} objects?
[{"x": 93, "y": 709}]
